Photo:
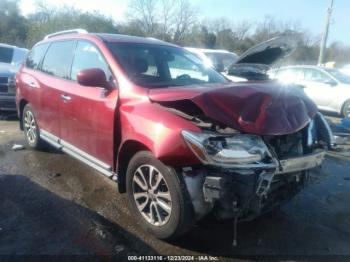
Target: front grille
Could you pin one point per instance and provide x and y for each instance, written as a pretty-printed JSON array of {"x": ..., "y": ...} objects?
[
  {"x": 3, "y": 80},
  {"x": 3, "y": 84},
  {"x": 286, "y": 146},
  {"x": 8, "y": 104}
]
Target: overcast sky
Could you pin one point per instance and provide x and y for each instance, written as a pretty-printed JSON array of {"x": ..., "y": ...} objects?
[{"x": 309, "y": 13}]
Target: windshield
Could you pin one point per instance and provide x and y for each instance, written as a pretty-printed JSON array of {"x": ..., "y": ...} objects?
[
  {"x": 222, "y": 61},
  {"x": 13, "y": 56},
  {"x": 6, "y": 54},
  {"x": 162, "y": 66},
  {"x": 341, "y": 77},
  {"x": 19, "y": 56}
]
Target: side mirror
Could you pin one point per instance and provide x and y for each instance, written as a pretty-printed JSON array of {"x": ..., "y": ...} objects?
[
  {"x": 94, "y": 77},
  {"x": 330, "y": 83}
]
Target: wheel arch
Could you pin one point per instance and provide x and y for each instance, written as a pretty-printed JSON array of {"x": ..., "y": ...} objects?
[
  {"x": 126, "y": 152},
  {"x": 343, "y": 105},
  {"x": 22, "y": 104}
]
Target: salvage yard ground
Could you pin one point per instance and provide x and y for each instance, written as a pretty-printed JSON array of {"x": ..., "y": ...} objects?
[{"x": 52, "y": 204}]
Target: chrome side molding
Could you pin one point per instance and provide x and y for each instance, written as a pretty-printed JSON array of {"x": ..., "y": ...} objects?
[{"x": 75, "y": 152}]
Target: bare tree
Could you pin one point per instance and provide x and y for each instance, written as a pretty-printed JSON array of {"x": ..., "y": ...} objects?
[
  {"x": 145, "y": 13},
  {"x": 241, "y": 29},
  {"x": 167, "y": 18},
  {"x": 185, "y": 18}
]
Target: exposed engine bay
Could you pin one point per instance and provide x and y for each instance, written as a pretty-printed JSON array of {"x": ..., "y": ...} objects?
[{"x": 251, "y": 72}]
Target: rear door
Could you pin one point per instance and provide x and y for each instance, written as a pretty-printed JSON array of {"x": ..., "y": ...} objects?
[
  {"x": 88, "y": 113},
  {"x": 36, "y": 88},
  {"x": 52, "y": 79}
]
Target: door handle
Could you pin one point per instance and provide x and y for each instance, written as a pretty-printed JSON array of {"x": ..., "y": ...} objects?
[
  {"x": 32, "y": 84},
  {"x": 66, "y": 98}
]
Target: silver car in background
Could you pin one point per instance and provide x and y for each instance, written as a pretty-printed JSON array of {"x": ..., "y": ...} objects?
[{"x": 328, "y": 87}]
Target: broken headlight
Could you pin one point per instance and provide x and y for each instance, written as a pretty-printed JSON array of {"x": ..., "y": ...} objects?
[{"x": 237, "y": 150}]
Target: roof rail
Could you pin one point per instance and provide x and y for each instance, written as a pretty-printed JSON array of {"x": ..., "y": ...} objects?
[{"x": 65, "y": 32}]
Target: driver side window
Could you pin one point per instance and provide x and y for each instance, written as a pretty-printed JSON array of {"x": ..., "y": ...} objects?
[{"x": 88, "y": 56}]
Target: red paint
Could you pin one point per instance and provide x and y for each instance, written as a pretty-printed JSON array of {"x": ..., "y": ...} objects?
[
  {"x": 92, "y": 77},
  {"x": 100, "y": 121},
  {"x": 259, "y": 108}
]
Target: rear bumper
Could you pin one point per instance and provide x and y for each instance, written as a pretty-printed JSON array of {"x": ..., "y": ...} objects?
[{"x": 7, "y": 102}]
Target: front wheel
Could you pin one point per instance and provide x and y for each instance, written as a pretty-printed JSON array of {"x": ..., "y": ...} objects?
[
  {"x": 346, "y": 109},
  {"x": 157, "y": 197}
]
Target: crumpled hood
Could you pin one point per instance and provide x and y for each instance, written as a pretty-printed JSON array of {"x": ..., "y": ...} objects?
[{"x": 257, "y": 108}]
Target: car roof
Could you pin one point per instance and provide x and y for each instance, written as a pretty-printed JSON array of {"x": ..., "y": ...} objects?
[
  {"x": 12, "y": 46},
  {"x": 105, "y": 37},
  {"x": 209, "y": 50},
  {"x": 130, "y": 39}
]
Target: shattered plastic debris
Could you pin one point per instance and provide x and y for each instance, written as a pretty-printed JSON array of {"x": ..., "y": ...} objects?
[
  {"x": 17, "y": 147},
  {"x": 100, "y": 233},
  {"x": 119, "y": 248},
  {"x": 53, "y": 175}
]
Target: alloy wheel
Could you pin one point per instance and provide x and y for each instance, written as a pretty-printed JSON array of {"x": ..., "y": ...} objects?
[
  {"x": 30, "y": 127},
  {"x": 347, "y": 110},
  {"x": 152, "y": 196}
]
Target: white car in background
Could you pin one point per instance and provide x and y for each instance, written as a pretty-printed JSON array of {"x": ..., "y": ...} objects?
[
  {"x": 328, "y": 87},
  {"x": 221, "y": 60},
  {"x": 253, "y": 64},
  {"x": 346, "y": 69}
]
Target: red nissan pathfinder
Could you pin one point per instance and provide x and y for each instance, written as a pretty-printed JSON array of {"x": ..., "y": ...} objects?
[{"x": 179, "y": 138}]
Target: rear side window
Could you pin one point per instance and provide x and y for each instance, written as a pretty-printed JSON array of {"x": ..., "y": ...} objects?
[
  {"x": 58, "y": 59},
  {"x": 88, "y": 56},
  {"x": 35, "y": 56},
  {"x": 315, "y": 76}
]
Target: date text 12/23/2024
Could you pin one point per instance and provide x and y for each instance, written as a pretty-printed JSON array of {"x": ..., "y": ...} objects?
[{"x": 173, "y": 258}]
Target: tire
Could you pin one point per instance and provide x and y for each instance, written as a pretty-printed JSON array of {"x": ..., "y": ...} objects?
[
  {"x": 346, "y": 110},
  {"x": 172, "y": 219},
  {"x": 31, "y": 129}
]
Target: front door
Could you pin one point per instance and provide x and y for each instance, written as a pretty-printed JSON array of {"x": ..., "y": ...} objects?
[
  {"x": 88, "y": 113},
  {"x": 318, "y": 88}
]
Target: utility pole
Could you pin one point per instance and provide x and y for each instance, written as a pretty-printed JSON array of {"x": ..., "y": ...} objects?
[{"x": 325, "y": 33}]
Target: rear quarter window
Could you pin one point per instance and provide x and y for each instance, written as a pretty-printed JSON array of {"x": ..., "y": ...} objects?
[
  {"x": 58, "y": 59},
  {"x": 35, "y": 56}
]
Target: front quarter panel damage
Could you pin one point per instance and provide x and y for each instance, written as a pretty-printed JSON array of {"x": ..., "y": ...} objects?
[{"x": 159, "y": 130}]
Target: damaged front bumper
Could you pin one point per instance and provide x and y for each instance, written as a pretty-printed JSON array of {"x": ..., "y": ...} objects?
[
  {"x": 248, "y": 189},
  {"x": 301, "y": 163},
  {"x": 248, "y": 192}
]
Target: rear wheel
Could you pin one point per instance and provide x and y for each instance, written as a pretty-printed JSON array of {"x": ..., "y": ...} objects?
[
  {"x": 346, "y": 109},
  {"x": 31, "y": 129},
  {"x": 157, "y": 197}
]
